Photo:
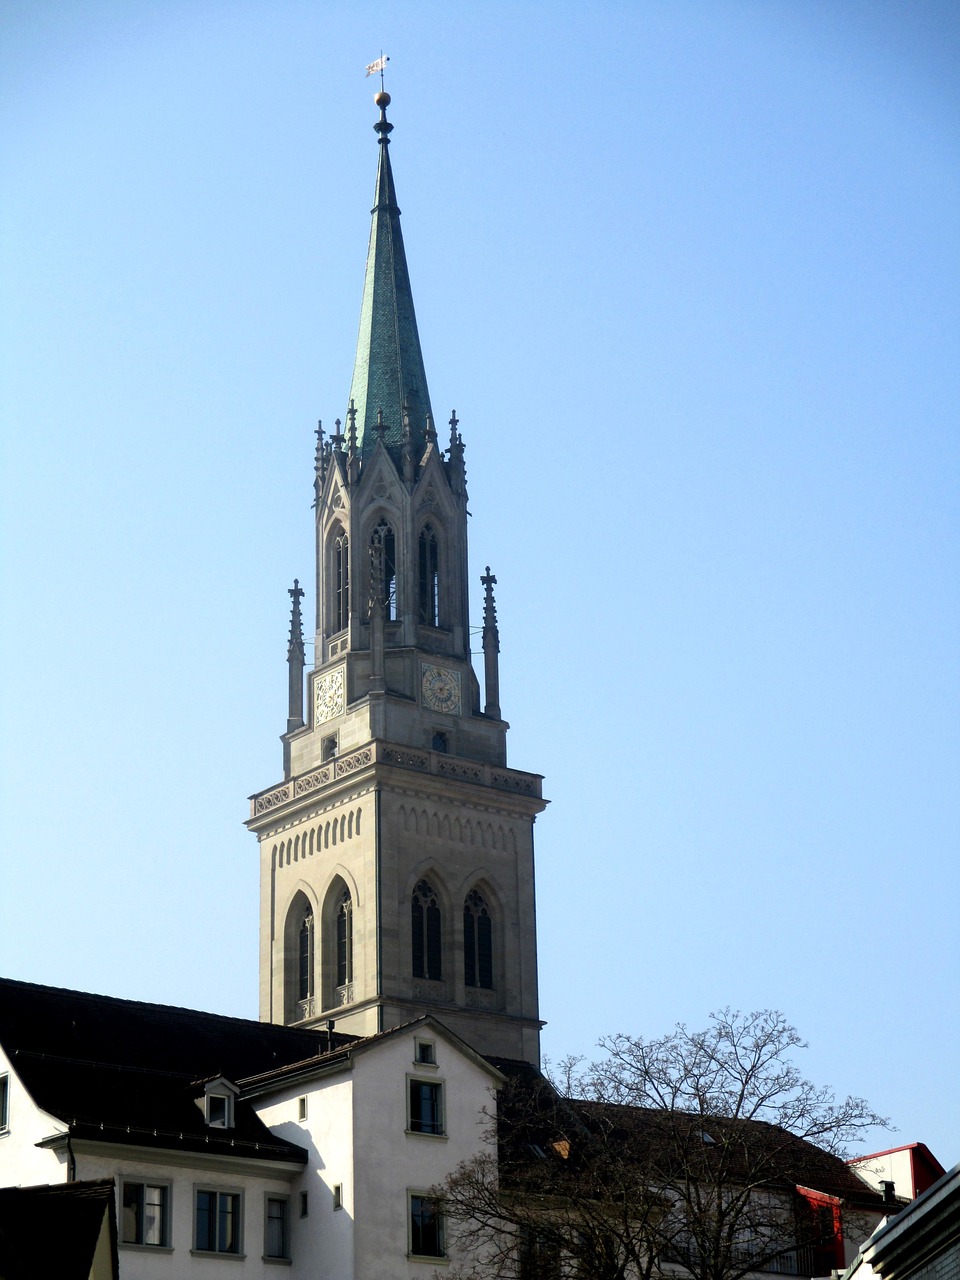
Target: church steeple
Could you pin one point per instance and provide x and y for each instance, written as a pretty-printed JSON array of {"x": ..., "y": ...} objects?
[
  {"x": 397, "y": 852},
  {"x": 388, "y": 372}
]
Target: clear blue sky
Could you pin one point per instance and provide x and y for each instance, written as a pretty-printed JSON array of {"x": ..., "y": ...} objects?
[{"x": 689, "y": 275}]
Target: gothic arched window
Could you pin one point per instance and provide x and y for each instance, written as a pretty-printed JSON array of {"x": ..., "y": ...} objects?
[
  {"x": 429, "y": 577},
  {"x": 305, "y": 956},
  {"x": 477, "y": 942},
  {"x": 341, "y": 581},
  {"x": 384, "y": 544},
  {"x": 425, "y": 925},
  {"x": 344, "y": 939}
]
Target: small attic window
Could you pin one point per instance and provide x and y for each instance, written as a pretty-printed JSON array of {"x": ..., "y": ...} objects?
[
  {"x": 706, "y": 1139},
  {"x": 218, "y": 1110},
  {"x": 425, "y": 1055},
  {"x": 217, "y": 1103}
]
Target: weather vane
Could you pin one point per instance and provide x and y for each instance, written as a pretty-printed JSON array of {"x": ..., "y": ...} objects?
[{"x": 379, "y": 65}]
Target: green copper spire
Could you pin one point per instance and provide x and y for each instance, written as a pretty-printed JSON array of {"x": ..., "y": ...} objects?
[{"x": 388, "y": 372}]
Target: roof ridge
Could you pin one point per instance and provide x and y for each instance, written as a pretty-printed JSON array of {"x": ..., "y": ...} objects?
[{"x": 150, "y": 1004}]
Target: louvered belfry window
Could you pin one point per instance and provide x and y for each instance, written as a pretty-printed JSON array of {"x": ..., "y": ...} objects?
[
  {"x": 305, "y": 957},
  {"x": 345, "y": 939},
  {"x": 477, "y": 942},
  {"x": 426, "y": 935},
  {"x": 341, "y": 581},
  {"x": 429, "y": 577},
  {"x": 385, "y": 543}
]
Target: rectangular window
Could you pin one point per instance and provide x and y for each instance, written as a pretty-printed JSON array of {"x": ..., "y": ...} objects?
[
  {"x": 277, "y": 1233},
  {"x": 218, "y": 1221},
  {"x": 4, "y": 1103},
  {"x": 301, "y": 1108},
  {"x": 218, "y": 1111},
  {"x": 145, "y": 1215},
  {"x": 338, "y": 1195},
  {"x": 426, "y": 1106},
  {"x": 425, "y": 1054},
  {"x": 304, "y": 1204},
  {"x": 426, "y": 1227},
  {"x": 539, "y": 1257}
]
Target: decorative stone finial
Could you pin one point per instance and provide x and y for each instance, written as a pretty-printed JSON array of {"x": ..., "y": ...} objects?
[
  {"x": 296, "y": 594},
  {"x": 319, "y": 464},
  {"x": 491, "y": 647},
  {"x": 489, "y": 581},
  {"x": 295, "y": 657}
]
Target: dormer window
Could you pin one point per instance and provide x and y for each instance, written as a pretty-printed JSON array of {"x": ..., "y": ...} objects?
[
  {"x": 218, "y": 1111},
  {"x": 218, "y": 1100}
]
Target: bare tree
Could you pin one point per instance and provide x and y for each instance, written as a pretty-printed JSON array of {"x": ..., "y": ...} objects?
[
  {"x": 705, "y": 1153},
  {"x": 555, "y": 1194}
]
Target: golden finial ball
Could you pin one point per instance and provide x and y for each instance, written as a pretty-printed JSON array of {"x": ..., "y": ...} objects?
[{"x": 382, "y": 99}]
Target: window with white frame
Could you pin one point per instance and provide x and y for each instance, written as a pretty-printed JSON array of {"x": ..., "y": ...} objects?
[
  {"x": 219, "y": 1221},
  {"x": 302, "y": 1107},
  {"x": 4, "y": 1103},
  {"x": 276, "y": 1228},
  {"x": 426, "y": 1107},
  {"x": 219, "y": 1111},
  {"x": 145, "y": 1213},
  {"x": 426, "y": 1227}
]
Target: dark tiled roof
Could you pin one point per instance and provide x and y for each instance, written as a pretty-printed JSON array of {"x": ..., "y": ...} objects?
[
  {"x": 53, "y": 1231},
  {"x": 344, "y": 1048},
  {"x": 126, "y": 1071},
  {"x": 790, "y": 1160},
  {"x": 662, "y": 1144}
]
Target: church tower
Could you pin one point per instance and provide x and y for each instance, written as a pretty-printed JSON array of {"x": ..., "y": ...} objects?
[{"x": 397, "y": 854}]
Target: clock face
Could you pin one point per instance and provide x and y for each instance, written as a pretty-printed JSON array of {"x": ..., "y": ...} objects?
[
  {"x": 328, "y": 696},
  {"x": 440, "y": 689}
]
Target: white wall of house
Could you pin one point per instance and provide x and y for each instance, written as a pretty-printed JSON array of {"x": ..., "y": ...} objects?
[
  {"x": 356, "y": 1134},
  {"x": 183, "y": 1173},
  {"x": 326, "y": 1234},
  {"x": 405, "y": 1161},
  {"x": 892, "y": 1166},
  {"x": 22, "y": 1162}
]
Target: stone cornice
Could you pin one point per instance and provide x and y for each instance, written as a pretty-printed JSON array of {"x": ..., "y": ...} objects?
[{"x": 277, "y": 804}]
